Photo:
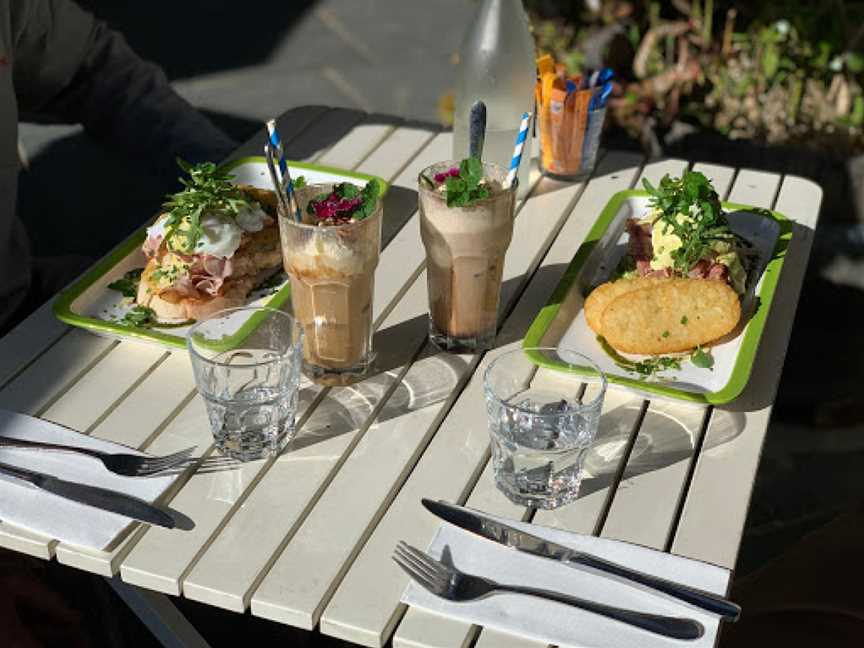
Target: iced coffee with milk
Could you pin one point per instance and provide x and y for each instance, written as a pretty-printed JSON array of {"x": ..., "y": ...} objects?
[
  {"x": 330, "y": 257},
  {"x": 466, "y": 222}
]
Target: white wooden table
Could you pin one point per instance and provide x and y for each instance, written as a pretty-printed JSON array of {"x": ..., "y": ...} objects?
[{"x": 306, "y": 539}]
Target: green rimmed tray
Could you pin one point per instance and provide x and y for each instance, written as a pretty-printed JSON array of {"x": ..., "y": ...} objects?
[
  {"x": 561, "y": 323},
  {"x": 90, "y": 304}
]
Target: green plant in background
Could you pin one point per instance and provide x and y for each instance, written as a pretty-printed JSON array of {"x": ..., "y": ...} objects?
[{"x": 779, "y": 72}]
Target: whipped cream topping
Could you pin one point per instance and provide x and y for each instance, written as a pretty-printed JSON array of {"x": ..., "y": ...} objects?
[{"x": 329, "y": 252}]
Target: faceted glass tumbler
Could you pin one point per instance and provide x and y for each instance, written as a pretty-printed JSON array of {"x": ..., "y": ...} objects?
[
  {"x": 541, "y": 429},
  {"x": 247, "y": 364}
]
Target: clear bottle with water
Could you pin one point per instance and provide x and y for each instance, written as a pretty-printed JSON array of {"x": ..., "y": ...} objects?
[{"x": 497, "y": 66}]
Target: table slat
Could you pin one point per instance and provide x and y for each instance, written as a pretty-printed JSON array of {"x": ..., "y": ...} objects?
[
  {"x": 402, "y": 141},
  {"x": 756, "y": 188},
  {"x": 352, "y": 149},
  {"x": 103, "y": 386},
  {"x": 45, "y": 380},
  {"x": 28, "y": 340}
]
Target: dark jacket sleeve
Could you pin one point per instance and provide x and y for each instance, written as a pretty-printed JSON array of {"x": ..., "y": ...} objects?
[{"x": 69, "y": 67}]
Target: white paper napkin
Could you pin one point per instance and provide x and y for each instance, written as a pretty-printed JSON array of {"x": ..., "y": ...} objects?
[
  {"x": 29, "y": 508},
  {"x": 565, "y": 625}
]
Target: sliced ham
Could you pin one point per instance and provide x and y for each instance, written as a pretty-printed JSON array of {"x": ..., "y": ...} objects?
[
  {"x": 700, "y": 270},
  {"x": 151, "y": 246},
  {"x": 208, "y": 273},
  {"x": 640, "y": 240},
  {"x": 718, "y": 271}
]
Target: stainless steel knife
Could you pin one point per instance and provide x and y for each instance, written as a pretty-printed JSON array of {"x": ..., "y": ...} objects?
[
  {"x": 100, "y": 498},
  {"x": 477, "y": 522}
]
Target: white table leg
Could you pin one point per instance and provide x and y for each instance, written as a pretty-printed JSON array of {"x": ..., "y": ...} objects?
[{"x": 160, "y": 615}]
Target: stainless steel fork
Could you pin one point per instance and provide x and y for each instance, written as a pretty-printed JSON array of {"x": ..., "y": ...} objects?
[
  {"x": 128, "y": 465},
  {"x": 450, "y": 583}
]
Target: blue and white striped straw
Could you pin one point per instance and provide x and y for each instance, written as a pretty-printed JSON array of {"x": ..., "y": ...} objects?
[
  {"x": 285, "y": 179},
  {"x": 517, "y": 150},
  {"x": 276, "y": 146}
]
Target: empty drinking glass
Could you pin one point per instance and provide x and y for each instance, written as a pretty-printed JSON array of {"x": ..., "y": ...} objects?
[
  {"x": 541, "y": 430},
  {"x": 247, "y": 367}
]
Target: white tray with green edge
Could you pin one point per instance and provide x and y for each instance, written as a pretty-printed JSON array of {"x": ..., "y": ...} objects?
[
  {"x": 561, "y": 323},
  {"x": 90, "y": 304}
]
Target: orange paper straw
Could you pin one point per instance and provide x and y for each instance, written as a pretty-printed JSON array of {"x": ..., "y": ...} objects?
[
  {"x": 580, "y": 121},
  {"x": 556, "y": 124}
]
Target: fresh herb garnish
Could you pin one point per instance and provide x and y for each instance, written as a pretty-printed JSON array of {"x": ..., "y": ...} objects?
[
  {"x": 139, "y": 317},
  {"x": 299, "y": 182},
  {"x": 466, "y": 188},
  {"x": 145, "y": 317},
  {"x": 644, "y": 368},
  {"x": 703, "y": 224},
  {"x": 702, "y": 359},
  {"x": 128, "y": 284},
  {"x": 665, "y": 334},
  {"x": 684, "y": 320},
  {"x": 207, "y": 190}
]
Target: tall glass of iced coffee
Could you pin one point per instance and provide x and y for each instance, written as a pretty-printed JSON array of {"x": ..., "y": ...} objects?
[
  {"x": 331, "y": 257},
  {"x": 466, "y": 222}
]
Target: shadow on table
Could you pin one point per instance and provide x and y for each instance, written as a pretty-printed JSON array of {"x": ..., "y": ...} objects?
[
  {"x": 345, "y": 410},
  {"x": 667, "y": 435}
]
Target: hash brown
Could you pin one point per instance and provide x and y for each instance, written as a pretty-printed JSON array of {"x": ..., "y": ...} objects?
[
  {"x": 606, "y": 293},
  {"x": 672, "y": 316}
]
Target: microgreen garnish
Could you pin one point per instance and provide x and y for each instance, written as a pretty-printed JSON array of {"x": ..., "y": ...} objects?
[
  {"x": 464, "y": 187},
  {"x": 145, "y": 317},
  {"x": 702, "y": 359},
  {"x": 139, "y": 317},
  {"x": 693, "y": 196},
  {"x": 206, "y": 190},
  {"x": 128, "y": 284},
  {"x": 644, "y": 368},
  {"x": 345, "y": 203}
]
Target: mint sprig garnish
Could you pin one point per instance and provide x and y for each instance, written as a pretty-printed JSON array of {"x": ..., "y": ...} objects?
[{"x": 465, "y": 188}]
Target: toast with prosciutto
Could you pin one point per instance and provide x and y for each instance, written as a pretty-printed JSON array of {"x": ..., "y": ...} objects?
[{"x": 213, "y": 243}]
